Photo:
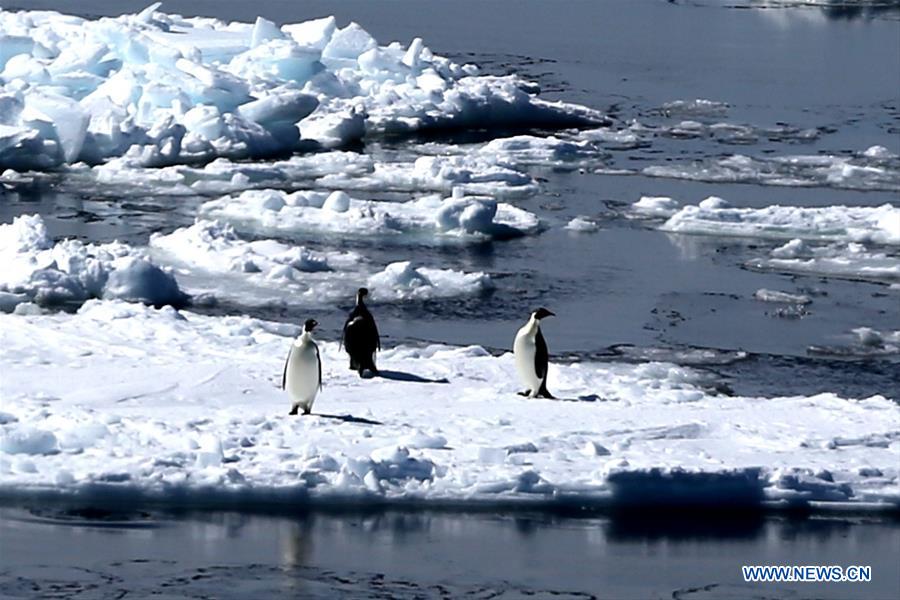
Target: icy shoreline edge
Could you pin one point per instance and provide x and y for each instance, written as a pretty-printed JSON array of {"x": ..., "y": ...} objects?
[{"x": 288, "y": 501}]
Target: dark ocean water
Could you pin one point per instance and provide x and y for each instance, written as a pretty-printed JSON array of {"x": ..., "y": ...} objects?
[{"x": 54, "y": 553}]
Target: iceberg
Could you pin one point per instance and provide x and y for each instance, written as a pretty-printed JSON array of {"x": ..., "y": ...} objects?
[{"x": 162, "y": 89}]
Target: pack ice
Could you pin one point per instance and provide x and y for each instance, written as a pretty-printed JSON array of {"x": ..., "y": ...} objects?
[
  {"x": 160, "y": 89},
  {"x": 129, "y": 423},
  {"x": 715, "y": 216},
  {"x": 213, "y": 261},
  {"x": 38, "y": 270}
]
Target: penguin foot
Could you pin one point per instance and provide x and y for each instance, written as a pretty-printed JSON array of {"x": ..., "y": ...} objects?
[
  {"x": 307, "y": 411},
  {"x": 546, "y": 394},
  {"x": 525, "y": 394},
  {"x": 293, "y": 411}
]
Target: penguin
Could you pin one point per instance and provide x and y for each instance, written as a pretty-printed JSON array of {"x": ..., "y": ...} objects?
[
  {"x": 530, "y": 351},
  {"x": 360, "y": 336},
  {"x": 302, "y": 376}
]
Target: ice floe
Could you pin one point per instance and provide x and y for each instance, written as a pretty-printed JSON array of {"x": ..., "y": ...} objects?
[
  {"x": 336, "y": 170},
  {"x": 582, "y": 224},
  {"x": 696, "y": 107},
  {"x": 866, "y": 170},
  {"x": 431, "y": 218},
  {"x": 216, "y": 247},
  {"x": 162, "y": 89},
  {"x": 844, "y": 261},
  {"x": 655, "y": 206},
  {"x": 38, "y": 270},
  {"x": 403, "y": 280},
  {"x": 714, "y": 216},
  {"x": 764, "y": 295},
  {"x": 128, "y": 422},
  {"x": 214, "y": 262}
]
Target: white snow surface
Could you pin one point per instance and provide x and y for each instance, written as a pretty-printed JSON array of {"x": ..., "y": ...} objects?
[
  {"x": 460, "y": 218},
  {"x": 163, "y": 89},
  {"x": 128, "y": 403},
  {"x": 38, "y": 270}
]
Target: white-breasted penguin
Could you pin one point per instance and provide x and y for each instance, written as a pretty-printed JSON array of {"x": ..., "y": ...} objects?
[
  {"x": 302, "y": 376},
  {"x": 360, "y": 336},
  {"x": 532, "y": 358}
]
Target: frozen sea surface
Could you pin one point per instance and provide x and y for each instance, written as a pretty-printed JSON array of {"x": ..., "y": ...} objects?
[{"x": 714, "y": 255}]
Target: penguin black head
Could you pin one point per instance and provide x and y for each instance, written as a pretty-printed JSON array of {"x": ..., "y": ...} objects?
[
  {"x": 309, "y": 325},
  {"x": 541, "y": 313},
  {"x": 361, "y": 293}
]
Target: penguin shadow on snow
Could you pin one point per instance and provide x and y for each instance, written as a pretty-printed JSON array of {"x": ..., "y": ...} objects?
[
  {"x": 347, "y": 419},
  {"x": 404, "y": 376},
  {"x": 581, "y": 398}
]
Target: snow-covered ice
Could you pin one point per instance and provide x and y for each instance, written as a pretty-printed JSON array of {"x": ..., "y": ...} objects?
[
  {"x": 714, "y": 216},
  {"x": 216, "y": 247},
  {"x": 844, "y": 261},
  {"x": 430, "y": 218},
  {"x": 870, "y": 169},
  {"x": 38, "y": 270},
  {"x": 581, "y": 224},
  {"x": 403, "y": 280},
  {"x": 213, "y": 261},
  {"x": 336, "y": 170},
  {"x": 655, "y": 206},
  {"x": 99, "y": 404},
  {"x": 764, "y": 295},
  {"x": 162, "y": 89}
]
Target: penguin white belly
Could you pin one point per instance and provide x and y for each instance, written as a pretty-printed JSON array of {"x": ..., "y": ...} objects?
[
  {"x": 524, "y": 350},
  {"x": 302, "y": 378}
]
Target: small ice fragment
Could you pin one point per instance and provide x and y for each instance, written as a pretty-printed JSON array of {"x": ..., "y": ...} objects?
[{"x": 582, "y": 225}]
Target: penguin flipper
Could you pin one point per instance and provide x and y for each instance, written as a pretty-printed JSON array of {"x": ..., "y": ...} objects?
[
  {"x": 284, "y": 373},
  {"x": 541, "y": 356},
  {"x": 319, "y": 360},
  {"x": 377, "y": 336}
]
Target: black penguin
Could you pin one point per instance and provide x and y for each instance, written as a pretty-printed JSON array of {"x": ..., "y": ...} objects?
[{"x": 360, "y": 336}]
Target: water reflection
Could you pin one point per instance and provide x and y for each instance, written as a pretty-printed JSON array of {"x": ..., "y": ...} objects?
[
  {"x": 424, "y": 554},
  {"x": 834, "y": 10}
]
